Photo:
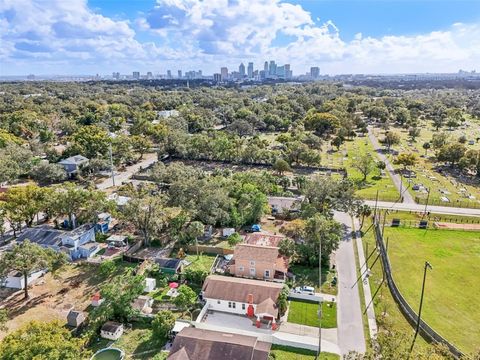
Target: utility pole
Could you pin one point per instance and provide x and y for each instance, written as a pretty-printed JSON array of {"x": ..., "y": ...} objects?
[
  {"x": 426, "y": 204},
  {"x": 427, "y": 266}
]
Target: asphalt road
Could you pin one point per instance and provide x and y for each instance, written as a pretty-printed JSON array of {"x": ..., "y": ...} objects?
[
  {"x": 397, "y": 180},
  {"x": 349, "y": 314},
  {"x": 446, "y": 210},
  {"x": 125, "y": 175}
]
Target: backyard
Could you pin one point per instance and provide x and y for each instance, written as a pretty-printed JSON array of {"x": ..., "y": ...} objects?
[
  {"x": 305, "y": 313},
  {"x": 448, "y": 308}
]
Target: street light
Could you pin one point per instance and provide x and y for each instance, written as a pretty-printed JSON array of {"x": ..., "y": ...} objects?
[{"x": 427, "y": 266}]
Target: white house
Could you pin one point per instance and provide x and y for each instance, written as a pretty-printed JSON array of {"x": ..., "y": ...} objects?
[
  {"x": 111, "y": 330},
  {"x": 242, "y": 296},
  {"x": 15, "y": 280}
]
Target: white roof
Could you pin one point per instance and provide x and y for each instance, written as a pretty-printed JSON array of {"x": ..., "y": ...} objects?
[
  {"x": 179, "y": 325},
  {"x": 77, "y": 159}
]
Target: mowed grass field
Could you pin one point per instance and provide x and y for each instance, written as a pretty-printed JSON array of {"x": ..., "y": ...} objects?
[
  {"x": 305, "y": 313},
  {"x": 279, "y": 352},
  {"x": 453, "y": 286}
]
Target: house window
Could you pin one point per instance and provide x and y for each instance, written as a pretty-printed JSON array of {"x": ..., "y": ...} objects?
[
  {"x": 252, "y": 263},
  {"x": 267, "y": 273},
  {"x": 218, "y": 302},
  {"x": 229, "y": 304},
  {"x": 234, "y": 305},
  {"x": 252, "y": 271},
  {"x": 243, "y": 306},
  {"x": 241, "y": 268}
]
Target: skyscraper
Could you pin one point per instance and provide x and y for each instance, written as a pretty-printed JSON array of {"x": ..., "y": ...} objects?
[
  {"x": 169, "y": 74},
  {"x": 224, "y": 73},
  {"x": 217, "y": 77},
  {"x": 241, "y": 70},
  {"x": 272, "y": 69},
  {"x": 250, "y": 70},
  {"x": 136, "y": 75},
  {"x": 179, "y": 74},
  {"x": 314, "y": 72},
  {"x": 265, "y": 67}
]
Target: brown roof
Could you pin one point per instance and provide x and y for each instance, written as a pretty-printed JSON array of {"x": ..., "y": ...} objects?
[
  {"x": 263, "y": 239},
  {"x": 267, "y": 306},
  {"x": 237, "y": 289},
  {"x": 255, "y": 252},
  {"x": 200, "y": 344}
]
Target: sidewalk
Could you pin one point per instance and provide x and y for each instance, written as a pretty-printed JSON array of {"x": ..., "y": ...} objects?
[{"x": 372, "y": 322}]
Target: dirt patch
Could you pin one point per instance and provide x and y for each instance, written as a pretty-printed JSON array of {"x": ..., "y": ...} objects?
[
  {"x": 469, "y": 227},
  {"x": 73, "y": 285}
]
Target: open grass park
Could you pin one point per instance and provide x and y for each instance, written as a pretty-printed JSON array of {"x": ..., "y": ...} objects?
[{"x": 452, "y": 287}]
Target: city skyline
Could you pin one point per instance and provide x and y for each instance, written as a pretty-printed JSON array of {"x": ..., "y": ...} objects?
[{"x": 99, "y": 36}]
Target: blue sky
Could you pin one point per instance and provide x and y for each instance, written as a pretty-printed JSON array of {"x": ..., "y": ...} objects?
[{"x": 340, "y": 36}]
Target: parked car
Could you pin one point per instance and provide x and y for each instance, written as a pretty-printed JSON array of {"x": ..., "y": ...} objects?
[{"x": 307, "y": 290}]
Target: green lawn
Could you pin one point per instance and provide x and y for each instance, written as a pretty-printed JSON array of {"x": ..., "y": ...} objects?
[
  {"x": 138, "y": 340},
  {"x": 453, "y": 286},
  {"x": 368, "y": 189},
  {"x": 387, "y": 312},
  {"x": 279, "y": 352},
  {"x": 305, "y": 313},
  {"x": 203, "y": 262},
  {"x": 308, "y": 276}
]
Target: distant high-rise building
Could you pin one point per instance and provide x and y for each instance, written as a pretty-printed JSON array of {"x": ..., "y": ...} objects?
[
  {"x": 116, "y": 75},
  {"x": 241, "y": 70},
  {"x": 272, "y": 68},
  {"x": 149, "y": 75},
  {"x": 288, "y": 72},
  {"x": 179, "y": 74},
  {"x": 224, "y": 73},
  {"x": 250, "y": 70},
  {"x": 217, "y": 77},
  {"x": 314, "y": 72},
  {"x": 32, "y": 77},
  {"x": 136, "y": 75},
  {"x": 169, "y": 74},
  {"x": 265, "y": 67}
]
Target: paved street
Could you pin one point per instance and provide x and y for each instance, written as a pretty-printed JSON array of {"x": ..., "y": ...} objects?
[
  {"x": 124, "y": 176},
  {"x": 397, "y": 180},
  {"x": 446, "y": 210},
  {"x": 349, "y": 317}
]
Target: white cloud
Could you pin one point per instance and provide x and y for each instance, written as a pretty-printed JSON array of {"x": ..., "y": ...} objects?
[{"x": 67, "y": 36}]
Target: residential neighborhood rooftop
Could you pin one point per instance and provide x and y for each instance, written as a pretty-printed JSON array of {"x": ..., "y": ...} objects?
[
  {"x": 200, "y": 344},
  {"x": 238, "y": 289}
]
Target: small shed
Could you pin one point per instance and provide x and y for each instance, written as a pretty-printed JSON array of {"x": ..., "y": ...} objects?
[
  {"x": 116, "y": 241},
  {"x": 169, "y": 266},
  {"x": 75, "y": 318},
  {"x": 111, "y": 330},
  {"x": 226, "y": 232},
  {"x": 97, "y": 299},
  {"x": 150, "y": 284}
]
